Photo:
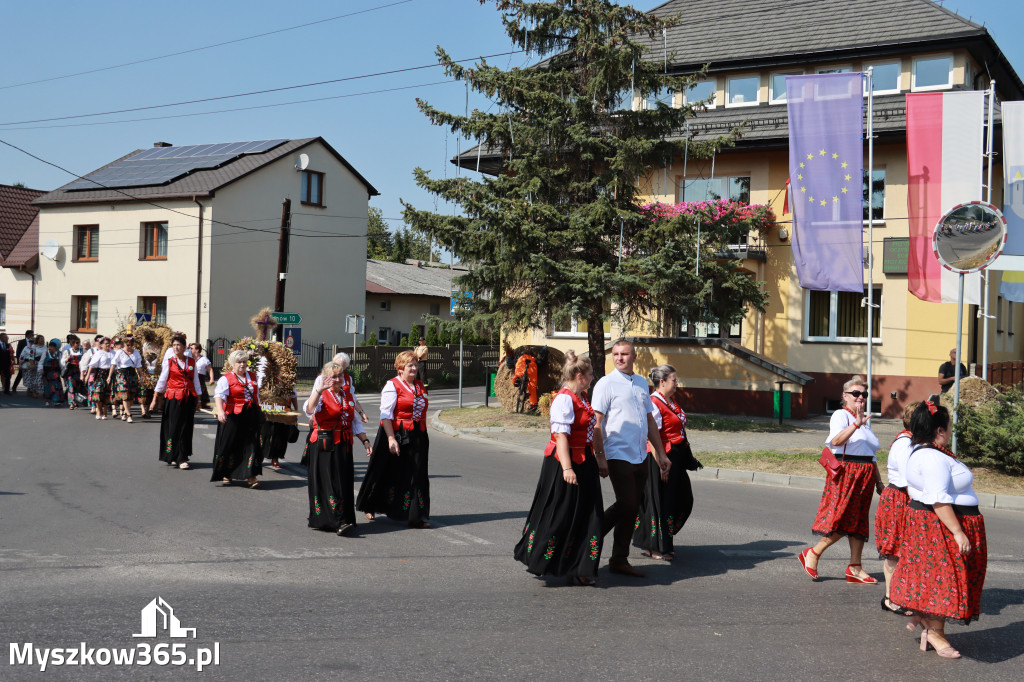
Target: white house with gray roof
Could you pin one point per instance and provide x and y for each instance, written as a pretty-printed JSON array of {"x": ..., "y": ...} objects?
[
  {"x": 399, "y": 296},
  {"x": 190, "y": 235}
]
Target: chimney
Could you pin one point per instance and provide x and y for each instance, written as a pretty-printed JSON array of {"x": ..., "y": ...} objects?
[{"x": 162, "y": 144}]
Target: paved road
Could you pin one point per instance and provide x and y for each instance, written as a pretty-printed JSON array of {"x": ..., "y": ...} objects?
[{"x": 94, "y": 528}]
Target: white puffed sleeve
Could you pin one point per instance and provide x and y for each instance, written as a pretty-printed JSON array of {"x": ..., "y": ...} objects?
[
  {"x": 388, "y": 398},
  {"x": 562, "y": 414},
  {"x": 221, "y": 391}
]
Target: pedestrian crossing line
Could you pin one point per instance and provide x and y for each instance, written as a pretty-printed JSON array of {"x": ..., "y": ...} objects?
[
  {"x": 460, "y": 533},
  {"x": 210, "y": 435}
]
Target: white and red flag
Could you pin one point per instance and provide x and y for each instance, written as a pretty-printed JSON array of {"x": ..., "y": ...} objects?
[{"x": 945, "y": 149}]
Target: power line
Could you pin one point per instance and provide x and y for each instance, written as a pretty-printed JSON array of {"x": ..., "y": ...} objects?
[
  {"x": 254, "y": 92},
  {"x": 205, "y": 47},
  {"x": 232, "y": 110}
]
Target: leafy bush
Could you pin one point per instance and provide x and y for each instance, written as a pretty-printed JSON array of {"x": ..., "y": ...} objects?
[
  {"x": 431, "y": 336},
  {"x": 404, "y": 341},
  {"x": 363, "y": 381},
  {"x": 371, "y": 340},
  {"x": 992, "y": 435}
]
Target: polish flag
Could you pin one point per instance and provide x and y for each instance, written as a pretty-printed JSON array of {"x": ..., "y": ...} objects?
[{"x": 944, "y": 165}]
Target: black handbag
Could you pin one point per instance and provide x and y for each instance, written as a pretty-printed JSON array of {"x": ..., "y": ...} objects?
[{"x": 293, "y": 434}]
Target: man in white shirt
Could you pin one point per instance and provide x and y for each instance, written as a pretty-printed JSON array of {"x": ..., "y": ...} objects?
[{"x": 622, "y": 404}]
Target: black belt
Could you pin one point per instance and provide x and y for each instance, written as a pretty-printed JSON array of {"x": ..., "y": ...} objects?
[
  {"x": 856, "y": 459},
  {"x": 960, "y": 509},
  {"x": 896, "y": 487}
]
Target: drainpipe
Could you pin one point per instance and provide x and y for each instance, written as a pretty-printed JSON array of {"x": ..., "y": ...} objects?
[
  {"x": 199, "y": 275},
  {"x": 33, "y": 309}
]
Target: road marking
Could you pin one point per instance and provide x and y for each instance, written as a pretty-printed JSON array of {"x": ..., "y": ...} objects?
[
  {"x": 210, "y": 435},
  {"x": 460, "y": 533}
]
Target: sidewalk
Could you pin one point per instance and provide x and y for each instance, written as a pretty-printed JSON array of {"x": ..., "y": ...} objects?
[{"x": 811, "y": 436}]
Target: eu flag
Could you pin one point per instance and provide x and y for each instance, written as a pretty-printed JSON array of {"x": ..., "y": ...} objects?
[{"x": 825, "y": 169}]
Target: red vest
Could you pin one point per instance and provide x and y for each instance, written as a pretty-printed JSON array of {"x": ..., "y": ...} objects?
[
  {"x": 411, "y": 406},
  {"x": 334, "y": 415},
  {"x": 236, "y": 400},
  {"x": 180, "y": 380},
  {"x": 673, "y": 422},
  {"x": 581, "y": 431}
]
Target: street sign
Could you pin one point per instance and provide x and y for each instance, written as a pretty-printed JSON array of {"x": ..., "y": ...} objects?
[
  {"x": 293, "y": 340},
  {"x": 286, "y": 318},
  {"x": 143, "y": 317},
  {"x": 459, "y": 300},
  {"x": 355, "y": 324}
]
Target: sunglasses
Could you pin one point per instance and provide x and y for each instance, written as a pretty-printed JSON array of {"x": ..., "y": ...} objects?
[{"x": 857, "y": 394}]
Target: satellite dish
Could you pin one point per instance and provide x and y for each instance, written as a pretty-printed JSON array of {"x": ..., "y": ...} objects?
[
  {"x": 302, "y": 162},
  {"x": 51, "y": 249}
]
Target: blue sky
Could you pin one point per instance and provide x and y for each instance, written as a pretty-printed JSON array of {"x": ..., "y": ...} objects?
[{"x": 383, "y": 135}]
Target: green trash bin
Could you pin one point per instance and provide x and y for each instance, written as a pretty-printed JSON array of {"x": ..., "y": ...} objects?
[
  {"x": 782, "y": 398},
  {"x": 492, "y": 374}
]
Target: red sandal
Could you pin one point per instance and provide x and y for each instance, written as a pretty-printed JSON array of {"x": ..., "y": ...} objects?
[
  {"x": 803, "y": 562},
  {"x": 852, "y": 577}
]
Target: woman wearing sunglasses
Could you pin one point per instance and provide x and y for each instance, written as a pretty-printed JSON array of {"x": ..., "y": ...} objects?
[{"x": 846, "y": 501}]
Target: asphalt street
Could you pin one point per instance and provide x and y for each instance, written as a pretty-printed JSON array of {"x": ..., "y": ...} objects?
[{"x": 94, "y": 528}]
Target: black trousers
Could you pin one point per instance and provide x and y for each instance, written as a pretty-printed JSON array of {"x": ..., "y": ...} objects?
[
  {"x": 5, "y": 378},
  {"x": 628, "y": 481}
]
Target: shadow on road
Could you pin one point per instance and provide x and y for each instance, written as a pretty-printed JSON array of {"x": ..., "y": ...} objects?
[
  {"x": 993, "y": 645},
  {"x": 993, "y": 601}
]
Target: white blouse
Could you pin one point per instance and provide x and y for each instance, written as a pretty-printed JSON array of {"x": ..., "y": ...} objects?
[
  {"x": 202, "y": 364},
  {"x": 123, "y": 360},
  {"x": 933, "y": 476},
  {"x": 863, "y": 442},
  {"x": 101, "y": 359},
  {"x": 897, "y": 464},
  {"x": 562, "y": 414}
]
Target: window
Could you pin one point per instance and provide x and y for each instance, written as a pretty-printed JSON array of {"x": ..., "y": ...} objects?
[
  {"x": 704, "y": 90},
  {"x": 3, "y": 310},
  {"x": 742, "y": 91},
  {"x": 663, "y": 95},
  {"x": 154, "y": 306},
  {"x": 999, "y": 314},
  {"x": 839, "y": 316},
  {"x": 885, "y": 78},
  {"x": 708, "y": 330},
  {"x": 383, "y": 335},
  {"x": 877, "y": 194},
  {"x": 736, "y": 188},
  {"x": 932, "y": 73},
  {"x": 87, "y": 243},
  {"x": 623, "y": 100},
  {"x": 435, "y": 309},
  {"x": 153, "y": 243},
  {"x": 313, "y": 188},
  {"x": 777, "y": 93},
  {"x": 568, "y": 325},
  {"x": 85, "y": 313},
  {"x": 385, "y": 305},
  {"x": 844, "y": 68}
]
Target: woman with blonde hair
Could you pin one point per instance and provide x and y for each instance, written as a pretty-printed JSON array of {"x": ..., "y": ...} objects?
[
  {"x": 563, "y": 535},
  {"x": 396, "y": 481},
  {"x": 846, "y": 501},
  {"x": 331, "y": 479},
  {"x": 237, "y": 400}
]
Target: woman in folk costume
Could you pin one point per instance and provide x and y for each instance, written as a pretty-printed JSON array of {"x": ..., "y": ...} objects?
[
  {"x": 944, "y": 551},
  {"x": 891, "y": 515},
  {"x": 396, "y": 481},
  {"x": 667, "y": 504},
  {"x": 86, "y": 373},
  {"x": 235, "y": 452},
  {"x": 99, "y": 370},
  {"x": 124, "y": 373},
  {"x": 179, "y": 386},
  {"x": 331, "y": 411},
  {"x": 71, "y": 370},
  {"x": 563, "y": 535},
  {"x": 53, "y": 388},
  {"x": 345, "y": 380}
]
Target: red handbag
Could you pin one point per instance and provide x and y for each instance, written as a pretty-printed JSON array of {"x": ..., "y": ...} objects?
[{"x": 833, "y": 467}]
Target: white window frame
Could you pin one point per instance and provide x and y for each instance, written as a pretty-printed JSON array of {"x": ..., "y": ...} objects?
[
  {"x": 645, "y": 103},
  {"x": 899, "y": 77},
  {"x": 772, "y": 98},
  {"x": 742, "y": 76},
  {"x": 833, "y": 320},
  {"x": 835, "y": 68},
  {"x": 385, "y": 306},
  {"x": 572, "y": 333},
  {"x": 925, "y": 88},
  {"x": 714, "y": 102},
  {"x": 383, "y": 336}
]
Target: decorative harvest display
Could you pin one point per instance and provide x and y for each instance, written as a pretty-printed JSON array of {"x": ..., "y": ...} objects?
[
  {"x": 549, "y": 376},
  {"x": 150, "y": 337},
  {"x": 274, "y": 363}
]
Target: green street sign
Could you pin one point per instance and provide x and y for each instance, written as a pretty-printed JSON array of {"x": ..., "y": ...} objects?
[{"x": 286, "y": 318}]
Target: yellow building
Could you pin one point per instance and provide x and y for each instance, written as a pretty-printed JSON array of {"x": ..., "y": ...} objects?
[{"x": 813, "y": 340}]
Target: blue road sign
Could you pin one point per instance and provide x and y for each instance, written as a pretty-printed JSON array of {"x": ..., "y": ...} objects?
[
  {"x": 293, "y": 339},
  {"x": 143, "y": 317}
]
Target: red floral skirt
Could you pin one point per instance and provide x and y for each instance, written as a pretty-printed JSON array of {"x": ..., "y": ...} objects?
[
  {"x": 846, "y": 502},
  {"x": 890, "y": 517},
  {"x": 932, "y": 577}
]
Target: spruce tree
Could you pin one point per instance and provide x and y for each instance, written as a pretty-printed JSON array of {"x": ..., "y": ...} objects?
[{"x": 543, "y": 235}]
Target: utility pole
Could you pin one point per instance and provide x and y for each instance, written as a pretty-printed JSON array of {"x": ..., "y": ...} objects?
[{"x": 282, "y": 263}]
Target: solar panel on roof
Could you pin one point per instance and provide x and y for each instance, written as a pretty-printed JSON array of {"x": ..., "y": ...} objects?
[{"x": 161, "y": 165}]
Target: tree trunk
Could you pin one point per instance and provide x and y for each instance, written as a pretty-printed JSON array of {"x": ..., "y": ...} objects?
[{"x": 595, "y": 342}]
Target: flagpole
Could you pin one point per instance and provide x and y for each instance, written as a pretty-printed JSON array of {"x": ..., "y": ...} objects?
[
  {"x": 871, "y": 225},
  {"x": 990, "y": 153}
]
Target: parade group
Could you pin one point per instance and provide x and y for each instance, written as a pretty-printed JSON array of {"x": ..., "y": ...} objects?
[{"x": 928, "y": 527}]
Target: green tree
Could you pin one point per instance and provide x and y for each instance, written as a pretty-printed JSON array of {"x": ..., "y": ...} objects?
[
  {"x": 409, "y": 244},
  {"x": 544, "y": 233},
  {"x": 379, "y": 242},
  {"x": 431, "y": 337}
]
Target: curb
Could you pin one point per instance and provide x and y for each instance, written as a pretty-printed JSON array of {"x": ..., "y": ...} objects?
[{"x": 985, "y": 500}]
